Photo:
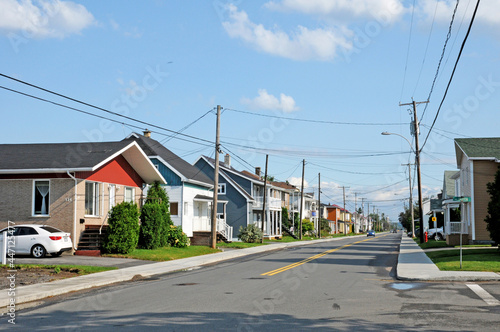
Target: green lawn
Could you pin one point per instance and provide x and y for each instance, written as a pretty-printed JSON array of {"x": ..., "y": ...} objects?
[
  {"x": 472, "y": 259},
  {"x": 166, "y": 253}
]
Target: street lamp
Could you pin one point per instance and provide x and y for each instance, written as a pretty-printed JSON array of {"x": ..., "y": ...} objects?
[{"x": 420, "y": 212}]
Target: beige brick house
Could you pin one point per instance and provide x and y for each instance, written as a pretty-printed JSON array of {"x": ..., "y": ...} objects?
[
  {"x": 71, "y": 186},
  {"x": 478, "y": 160}
]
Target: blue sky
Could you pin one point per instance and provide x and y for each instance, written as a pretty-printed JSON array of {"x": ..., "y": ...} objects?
[{"x": 346, "y": 65}]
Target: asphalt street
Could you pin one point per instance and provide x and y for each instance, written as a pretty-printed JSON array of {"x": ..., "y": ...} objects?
[{"x": 346, "y": 285}]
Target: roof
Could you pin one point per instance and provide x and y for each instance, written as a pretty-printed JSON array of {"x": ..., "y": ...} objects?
[
  {"x": 283, "y": 185},
  {"x": 185, "y": 170},
  {"x": 73, "y": 157},
  {"x": 478, "y": 149},
  {"x": 242, "y": 191}
]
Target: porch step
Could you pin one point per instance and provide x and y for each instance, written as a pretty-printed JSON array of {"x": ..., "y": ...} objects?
[
  {"x": 92, "y": 253},
  {"x": 286, "y": 229},
  {"x": 90, "y": 240}
]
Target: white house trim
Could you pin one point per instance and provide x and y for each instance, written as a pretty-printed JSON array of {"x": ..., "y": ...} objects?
[{"x": 472, "y": 200}]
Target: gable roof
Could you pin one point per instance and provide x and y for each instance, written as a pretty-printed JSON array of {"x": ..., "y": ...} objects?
[
  {"x": 186, "y": 171},
  {"x": 487, "y": 148},
  {"x": 242, "y": 191},
  {"x": 74, "y": 157}
]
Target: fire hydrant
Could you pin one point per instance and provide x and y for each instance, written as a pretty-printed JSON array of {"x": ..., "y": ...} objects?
[{"x": 425, "y": 236}]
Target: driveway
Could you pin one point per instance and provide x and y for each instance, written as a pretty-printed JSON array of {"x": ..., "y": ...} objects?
[{"x": 69, "y": 259}]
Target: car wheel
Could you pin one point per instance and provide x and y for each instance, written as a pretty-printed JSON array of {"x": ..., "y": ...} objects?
[
  {"x": 438, "y": 237},
  {"x": 38, "y": 251},
  {"x": 56, "y": 254}
]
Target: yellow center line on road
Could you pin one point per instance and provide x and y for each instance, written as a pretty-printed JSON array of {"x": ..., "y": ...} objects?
[{"x": 291, "y": 266}]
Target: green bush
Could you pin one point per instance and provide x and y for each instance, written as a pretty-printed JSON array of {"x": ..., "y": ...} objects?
[
  {"x": 177, "y": 238},
  {"x": 250, "y": 234},
  {"x": 123, "y": 230},
  {"x": 154, "y": 226},
  {"x": 307, "y": 226}
]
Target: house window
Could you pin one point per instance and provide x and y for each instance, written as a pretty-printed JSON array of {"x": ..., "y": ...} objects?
[
  {"x": 186, "y": 206},
  {"x": 91, "y": 198},
  {"x": 174, "y": 209},
  {"x": 112, "y": 196},
  {"x": 129, "y": 195},
  {"x": 41, "y": 197},
  {"x": 222, "y": 189}
]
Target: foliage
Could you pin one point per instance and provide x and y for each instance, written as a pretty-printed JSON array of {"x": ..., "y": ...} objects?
[
  {"x": 405, "y": 217},
  {"x": 123, "y": 230},
  {"x": 307, "y": 226},
  {"x": 325, "y": 226},
  {"x": 155, "y": 223},
  {"x": 157, "y": 194},
  {"x": 493, "y": 218},
  {"x": 284, "y": 217},
  {"x": 250, "y": 234},
  {"x": 177, "y": 238}
]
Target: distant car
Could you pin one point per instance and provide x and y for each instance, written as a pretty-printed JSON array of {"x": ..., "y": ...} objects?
[
  {"x": 394, "y": 231},
  {"x": 38, "y": 240},
  {"x": 371, "y": 232}
]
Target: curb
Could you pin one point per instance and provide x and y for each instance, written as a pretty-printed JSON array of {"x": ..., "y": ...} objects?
[{"x": 30, "y": 293}]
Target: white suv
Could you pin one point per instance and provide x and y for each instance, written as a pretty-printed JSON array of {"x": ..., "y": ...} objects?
[{"x": 37, "y": 240}]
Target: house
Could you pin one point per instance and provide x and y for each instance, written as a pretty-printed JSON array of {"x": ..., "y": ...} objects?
[
  {"x": 244, "y": 193},
  {"x": 451, "y": 208},
  {"x": 340, "y": 218},
  {"x": 71, "y": 186},
  {"x": 189, "y": 190},
  {"x": 477, "y": 160}
]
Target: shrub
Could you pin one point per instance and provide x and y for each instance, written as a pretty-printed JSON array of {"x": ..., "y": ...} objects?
[
  {"x": 123, "y": 230},
  {"x": 177, "y": 238},
  {"x": 493, "y": 218},
  {"x": 154, "y": 226},
  {"x": 307, "y": 226},
  {"x": 284, "y": 217},
  {"x": 250, "y": 234}
]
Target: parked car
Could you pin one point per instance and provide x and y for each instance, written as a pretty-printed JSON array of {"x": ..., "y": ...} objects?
[
  {"x": 38, "y": 240},
  {"x": 394, "y": 231},
  {"x": 417, "y": 232},
  {"x": 371, "y": 232},
  {"x": 436, "y": 234}
]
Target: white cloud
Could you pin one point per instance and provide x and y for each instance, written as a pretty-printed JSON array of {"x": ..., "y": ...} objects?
[
  {"x": 303, "y": 44},
  {"x": 344, "y": 10},
  {"x": 265, "y": 101},
  {"x": 297, "y": 182},
  {"x": 442, "y": 11},
  {"x": 46, "y": 19}
]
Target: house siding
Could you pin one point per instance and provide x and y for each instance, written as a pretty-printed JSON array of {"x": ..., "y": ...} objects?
[
  {"x": 171, "y": 177},
  {"x": 484, "y": 172}
]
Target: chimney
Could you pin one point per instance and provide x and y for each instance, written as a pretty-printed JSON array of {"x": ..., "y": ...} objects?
[
  {"x": 147, "y": 133},
  {"x": 227, "y": 160},
  {"x": 257, "y": 171}
]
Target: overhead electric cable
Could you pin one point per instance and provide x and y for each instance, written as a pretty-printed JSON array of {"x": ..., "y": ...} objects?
[{"x": 453, "y": 72}]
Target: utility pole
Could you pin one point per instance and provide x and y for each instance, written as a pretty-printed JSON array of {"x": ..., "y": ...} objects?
[
  {"x": 417, "y": 161},
  {"x": 301, "y": 198},
  {"x": 264, "y": 200},
  {"x": 355, "y": 210},
  {"x": 368, "y": 215},
  {"x": 319, "y": 205},
  {"x": 216, "y": 180},
  {"x": 363, "y": 210},
  {"x": 411, "y": 200},
  {"x": 345, "y": 221}
]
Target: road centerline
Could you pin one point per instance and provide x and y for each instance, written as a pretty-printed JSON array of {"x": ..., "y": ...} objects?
[{"x": 304, "y": 261}]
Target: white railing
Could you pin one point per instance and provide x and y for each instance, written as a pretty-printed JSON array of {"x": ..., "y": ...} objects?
[
  {"x": 455, "y": 228},
  {"x": 271, "y": 202},
  {"x": 224, "y": 229}
]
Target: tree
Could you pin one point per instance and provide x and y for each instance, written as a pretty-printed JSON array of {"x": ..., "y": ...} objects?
[
  {"x": 123, "y": 229},
  {"x": 493, "y": 218},
  {"x": 284, "y": 217}
]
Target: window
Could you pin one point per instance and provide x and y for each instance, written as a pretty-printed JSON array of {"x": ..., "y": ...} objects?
[
  {"x": 41, "y": 198},
  {"x": 222, "y": 189},
  {"x": 174, "y": 209},
  {"x": 91, "y": 198},
  {"x": 186, "y": 206},
  {"x": 26, "y": 231},
  {"x": 112, "y": 196},
  {"x": 129, "y": 194}
]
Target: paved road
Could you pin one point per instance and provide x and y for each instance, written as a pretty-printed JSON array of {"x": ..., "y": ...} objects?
[{"x": 345, "y": 285}]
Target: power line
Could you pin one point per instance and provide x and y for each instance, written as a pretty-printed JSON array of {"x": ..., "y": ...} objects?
[
  {"x": 316, "y": 121},
  {"x": 349, "y": 172},
  {"x": 453, "y": 72},
  {"x": 440, "y": 59},
  {"x": 407, "y": 51}
]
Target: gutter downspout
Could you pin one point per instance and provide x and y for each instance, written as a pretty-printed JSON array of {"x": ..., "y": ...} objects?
[{"x": 74, "y": 210}]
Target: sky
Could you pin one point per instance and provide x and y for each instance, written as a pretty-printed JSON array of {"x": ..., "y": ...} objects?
[{"x": 312, "y": 80}]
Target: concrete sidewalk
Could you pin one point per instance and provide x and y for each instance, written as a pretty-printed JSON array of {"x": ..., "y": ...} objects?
[
  {"x": 413, "y": 264},
  {"x": 36, "y": 292}
]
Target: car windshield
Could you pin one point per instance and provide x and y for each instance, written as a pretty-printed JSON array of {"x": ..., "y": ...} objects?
[{"x": 51, "y": 229}]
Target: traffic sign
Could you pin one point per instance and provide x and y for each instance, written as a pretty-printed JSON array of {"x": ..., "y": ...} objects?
[{"x": 464, "y": 199}]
